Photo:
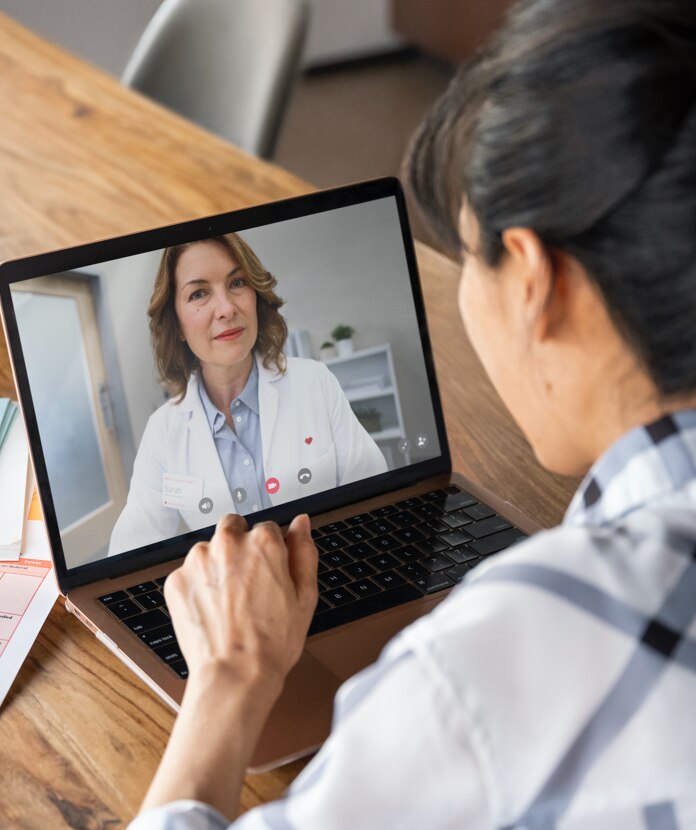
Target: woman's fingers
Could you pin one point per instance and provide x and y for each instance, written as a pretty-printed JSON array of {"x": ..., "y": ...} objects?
[{"x": 302, "y": 559}]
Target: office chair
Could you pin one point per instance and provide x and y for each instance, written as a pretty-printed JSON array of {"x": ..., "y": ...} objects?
[{"x": 228, "y": 65}]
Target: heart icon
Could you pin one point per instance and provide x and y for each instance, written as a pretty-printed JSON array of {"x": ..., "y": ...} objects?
[{"x": 308, "y": 440}]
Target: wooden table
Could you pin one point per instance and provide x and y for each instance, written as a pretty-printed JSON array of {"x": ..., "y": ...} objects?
[{"x": 82, "y": 158}]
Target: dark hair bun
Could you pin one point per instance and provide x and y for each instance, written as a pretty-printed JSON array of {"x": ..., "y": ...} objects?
[{"x": 578, "y": 120}]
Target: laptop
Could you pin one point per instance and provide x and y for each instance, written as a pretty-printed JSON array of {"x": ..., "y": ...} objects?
[{"x": 132, "y": 460}]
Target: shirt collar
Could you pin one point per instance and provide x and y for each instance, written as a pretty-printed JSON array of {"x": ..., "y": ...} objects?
[
  {"x": 249, "y": 396},
  {"x": 644, "y": 464}
]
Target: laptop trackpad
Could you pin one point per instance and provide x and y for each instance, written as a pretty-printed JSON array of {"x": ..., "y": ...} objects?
[{"x": 301, "y": 719}]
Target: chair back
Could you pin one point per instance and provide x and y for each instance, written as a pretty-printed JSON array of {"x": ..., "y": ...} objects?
[{"x": 229, "y": 65}]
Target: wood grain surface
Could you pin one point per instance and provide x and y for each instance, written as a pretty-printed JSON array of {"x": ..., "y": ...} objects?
[{"x": 82, "y": 158}]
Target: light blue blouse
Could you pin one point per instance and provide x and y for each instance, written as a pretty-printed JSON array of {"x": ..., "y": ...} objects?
[{"x": 240, "y": 453}]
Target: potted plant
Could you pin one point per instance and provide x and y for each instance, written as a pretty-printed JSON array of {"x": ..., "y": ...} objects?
[
  {"x": 343, "y": 335},
  {"x": 327, "y": 350},
  {"x": 370, "y": 418}
]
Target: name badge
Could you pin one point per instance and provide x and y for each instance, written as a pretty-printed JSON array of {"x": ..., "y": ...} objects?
[{"x": 181, "y": 492}]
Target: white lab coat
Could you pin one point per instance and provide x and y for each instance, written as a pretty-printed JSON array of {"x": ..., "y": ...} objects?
[{"x": 305, "y": 421}]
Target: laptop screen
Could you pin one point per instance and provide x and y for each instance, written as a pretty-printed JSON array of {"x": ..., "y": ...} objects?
[{"x": 240, "y": 369}]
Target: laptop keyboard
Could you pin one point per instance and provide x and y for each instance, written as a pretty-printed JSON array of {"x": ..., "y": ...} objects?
[{"x": 367, "y": 563}]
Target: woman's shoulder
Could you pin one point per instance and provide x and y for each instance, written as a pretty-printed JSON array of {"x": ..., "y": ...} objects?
[{"x": 306, "y": 370}]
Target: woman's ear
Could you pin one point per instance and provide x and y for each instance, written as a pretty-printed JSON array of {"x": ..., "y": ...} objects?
[{"x": 535, "y": 271}]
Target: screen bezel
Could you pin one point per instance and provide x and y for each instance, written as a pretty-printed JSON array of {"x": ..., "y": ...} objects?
[{"x": 84, "y": 256}]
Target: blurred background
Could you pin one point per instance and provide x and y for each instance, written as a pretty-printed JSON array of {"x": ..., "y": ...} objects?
[{"x": 370, "y": 71}]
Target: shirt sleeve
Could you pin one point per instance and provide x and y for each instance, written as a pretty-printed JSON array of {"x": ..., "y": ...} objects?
[
  {"x": 397, "y": 758},
  {"x": 357, "y": 455},
  {"x": 180, "y": 815}
]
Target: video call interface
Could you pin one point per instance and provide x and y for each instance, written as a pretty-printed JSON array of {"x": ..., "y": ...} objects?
[{"x": 231, "y": 374}]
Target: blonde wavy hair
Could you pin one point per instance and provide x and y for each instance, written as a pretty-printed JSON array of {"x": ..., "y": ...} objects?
[{"x": 174, "y": 360}]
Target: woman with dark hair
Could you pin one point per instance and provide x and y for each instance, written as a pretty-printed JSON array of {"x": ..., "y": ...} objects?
[
  {"x": 555, "y": 687},
  {"x": 246, "y": 427}
]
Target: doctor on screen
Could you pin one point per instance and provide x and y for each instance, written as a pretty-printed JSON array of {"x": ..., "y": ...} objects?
[{"x": 246, "y": 427}]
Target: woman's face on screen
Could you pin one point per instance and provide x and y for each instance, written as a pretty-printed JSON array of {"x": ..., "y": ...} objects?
[{"x": 215, "y": 305}]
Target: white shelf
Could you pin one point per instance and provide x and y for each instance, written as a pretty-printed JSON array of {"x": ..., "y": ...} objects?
[
  {"x": 387, "y": 434},
  {"x": 368, "y": 395},
  {"x": 368, "y": 380}
]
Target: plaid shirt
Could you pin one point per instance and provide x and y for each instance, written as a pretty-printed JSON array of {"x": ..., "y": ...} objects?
[{"x": 555, "y": 689}]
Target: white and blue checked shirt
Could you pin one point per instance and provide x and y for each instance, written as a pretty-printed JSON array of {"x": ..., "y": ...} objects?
[{"x": 554, "y": 689}]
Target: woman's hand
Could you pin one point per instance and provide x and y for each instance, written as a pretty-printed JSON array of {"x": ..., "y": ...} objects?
[{"x": 241, "y": 604}]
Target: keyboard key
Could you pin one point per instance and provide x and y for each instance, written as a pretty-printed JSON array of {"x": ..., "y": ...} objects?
[
  {"x": 316, "y": 533},
  {"x": 361, "y": 518},
  {"x": 169, "y": 653},
  {"x": 147, "y": 621},
  {"x": 403, "y": 519},
  {"x": 364, "y": 588},
  {"x": 433, "y": 583},
  {"x": 386, "y": 542},
  {"x": 496, "y": 542},
  {"x": 141, "y": 588},
  {"x": 334, "y": 579},
  {"x": 338, "y": 596},
  {"x": 336, "y": 558},
  {"x": 487, "y": 526},
  {"x": 453, "y": 488},
  {"x": 457, "y": 500},
  {"x": 434, "y": 526},
  {"x": 356, "y": 534},
  {"x": 160, "y": 580},
  {"x": 456, "y": 519},
  {"x": 437, "y": 563},
  {"x": 360, "y": 551},
  {"x": 321, "y": 607},
  {"x": 407, "y": 504},
  {"x": 333, "y": 527},
  {"x": 410, "y": 553},
  {"x": 407, "y": 535},
  {"x": 359, "y": 570},
  {"x": 430, "y": 546},
  {"x": 126, "y": 608},
  {"x": 458, "y": 572},
  {"x": 479, "y": 511},
  {"x": 180, "y": 668},
  {"x": 158, "y": 636},
  {"x": 413, "y": 571},
  {"x": 462, "y": 554},
  {"x": 383, "y": 562},
  {"x": 155, "y": 599},
  {"x": 322, "y": 566},
  {"x": 390, "y": 579},
  {"x": 116, "y": 596},
  {"x": 331, "y": 542},
  {"x": 387, "y": 510},
  {"x": 428, "y": 511},
  {"x": 455, "y": 537},
  {"x": 434, "y": 495},
  {"x": 367, "y": 605},
  {"x": 379, "y": 526}
]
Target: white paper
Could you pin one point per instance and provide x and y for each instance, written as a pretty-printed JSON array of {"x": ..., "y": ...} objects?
[{"x": 28, "y": 591}]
